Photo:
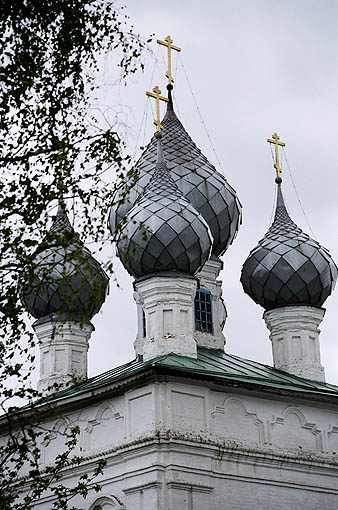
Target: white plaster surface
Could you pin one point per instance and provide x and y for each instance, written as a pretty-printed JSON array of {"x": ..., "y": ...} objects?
[
  {"x": 208, "y": 280},
  {"x": 294, "y": 334},
  {"x": 181, "y": 446},
  {"x": 168, "y": 305},
  {"x": 63, "y": 352}
]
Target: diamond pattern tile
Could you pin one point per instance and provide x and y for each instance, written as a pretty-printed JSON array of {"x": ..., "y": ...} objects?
[
  {"x": 287, "y": 267},
  {"x": 68, "y": 280},
  {"x": 164, "y": 242},
  {"x": 198, "y": 180}
]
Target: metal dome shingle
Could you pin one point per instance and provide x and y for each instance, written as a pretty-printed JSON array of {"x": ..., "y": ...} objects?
[
  {"x": 287, "y": 267},
  {"x": 201, "y": 184},
  {"x": 163, "y": 231},
  {"x": 67, "y": 280}
]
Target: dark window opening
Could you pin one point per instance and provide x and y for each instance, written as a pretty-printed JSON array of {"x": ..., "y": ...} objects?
[
  {"x": 144, "y": 323},
  {"x": 203, "y": 311}
]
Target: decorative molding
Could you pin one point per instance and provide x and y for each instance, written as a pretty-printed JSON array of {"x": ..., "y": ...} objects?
[
  {"x": 63, "y": 352},
  {"x": 142, "y": 487},
  {"x": 101, "y": 410},
  {"x": 312, "y": 427},
  {"x": 189, "y": 409},
  {"x": 168, "y": 305},
  {"x": 332, "y": 429},
  {"x": 221, "y": 409},
  {"x": 309, "y": 462},
  {"x": 53, "y": 433},
  {"x": 303, "y": 422},
  {"x": 98, "y": 420},
  {"x": 56, "y": 432},
  {"x": 294, "y": 335},
  {"x": 190, "y": 487},
  {"x": 112, "y": 501},
  {"x": 217, "y": 410},
  {"x": 135, "y": 401}
]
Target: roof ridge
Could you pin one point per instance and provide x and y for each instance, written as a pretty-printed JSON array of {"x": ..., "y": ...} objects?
[{"x": 273, "y": 378}]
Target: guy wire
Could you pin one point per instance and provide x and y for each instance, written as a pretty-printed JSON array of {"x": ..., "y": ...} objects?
[
  {"x": 200, "y": 115},
  {"x": 174, "y": 95},
  {"x": 298, "y": 198},
  {"x": 145, "y": 122},
  {"x": 275, "y": 194},
  {"x": 145, "y": 112}
]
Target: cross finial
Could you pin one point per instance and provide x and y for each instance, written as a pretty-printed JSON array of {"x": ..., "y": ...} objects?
[
  {"x": 156, "y": 94},
  {"x": 276, "y": 142},
  {"x": 168, "y": 43}
]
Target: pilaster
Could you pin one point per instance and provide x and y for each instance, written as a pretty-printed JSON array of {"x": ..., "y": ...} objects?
[{"x": 294, "y": 335}]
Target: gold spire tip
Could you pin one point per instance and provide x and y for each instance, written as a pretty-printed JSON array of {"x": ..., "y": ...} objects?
[
  {"x": 156, "y": 95},
  {"x": 168, "y": 43},
  {"x": 276, "y": 142}
]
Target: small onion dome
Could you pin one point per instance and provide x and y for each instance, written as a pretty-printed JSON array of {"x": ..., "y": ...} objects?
[
  {"x": 163, "y": 231},
  {"x": 205, "y": 188},
  {"x": 67, "y": 280},
  {"x": 287, "y": 267}
]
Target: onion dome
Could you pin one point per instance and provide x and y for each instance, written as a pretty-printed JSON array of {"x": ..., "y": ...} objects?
[
  {"x": 67, "y": 280},
  {"x": 163, "y": 231},
  {"x": 205, "y": 188},
  {"x": 287, "y": 267}
]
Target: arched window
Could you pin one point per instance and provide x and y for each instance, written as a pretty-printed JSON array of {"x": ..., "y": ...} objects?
[{"x": 203, "y": 311}]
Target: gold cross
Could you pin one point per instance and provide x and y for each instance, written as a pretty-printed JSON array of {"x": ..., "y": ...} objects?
[
  {"x": 276, "y": 142},
  {"x": 167, "y": 42},
  {"x": 158, "y": 98}
]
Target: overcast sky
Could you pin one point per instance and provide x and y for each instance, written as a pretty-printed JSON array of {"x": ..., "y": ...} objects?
[{"x": 255, "y": 67}]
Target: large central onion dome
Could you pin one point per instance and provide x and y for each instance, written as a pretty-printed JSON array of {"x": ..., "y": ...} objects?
[
  {"x": 287, "y": 267},
  {"x": 205, "y": 188},
  {"x": 163, "y": 231},
  {"x": 67, "y": 280}
]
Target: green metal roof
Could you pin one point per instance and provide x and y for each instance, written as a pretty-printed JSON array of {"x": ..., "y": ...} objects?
[{"x": 210, "y": 364}]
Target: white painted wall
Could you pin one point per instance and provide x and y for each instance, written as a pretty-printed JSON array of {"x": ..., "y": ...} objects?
[
  {"x": 63, "y": 353},
  {"x": 168, "y": 307},
  {"x": 294, "y": 334},
  {"x": 207, "y": 278},
  {"x": 176, "y": 446}
]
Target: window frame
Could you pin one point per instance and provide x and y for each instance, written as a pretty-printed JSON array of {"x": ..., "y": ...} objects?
[{"x": 203, "y": 317}]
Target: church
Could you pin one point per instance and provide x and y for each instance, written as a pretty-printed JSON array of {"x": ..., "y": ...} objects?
[{"x": 186, "y": 425}]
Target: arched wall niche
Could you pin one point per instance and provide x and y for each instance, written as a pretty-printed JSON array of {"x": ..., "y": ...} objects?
[
  {"x": 292, "y": 430},
  {"x": 55, "y": 443},
  {"x": 105, "y": 430},
  {"x": 232, "y": 420},
  {"x": 106, "y": 502}
]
